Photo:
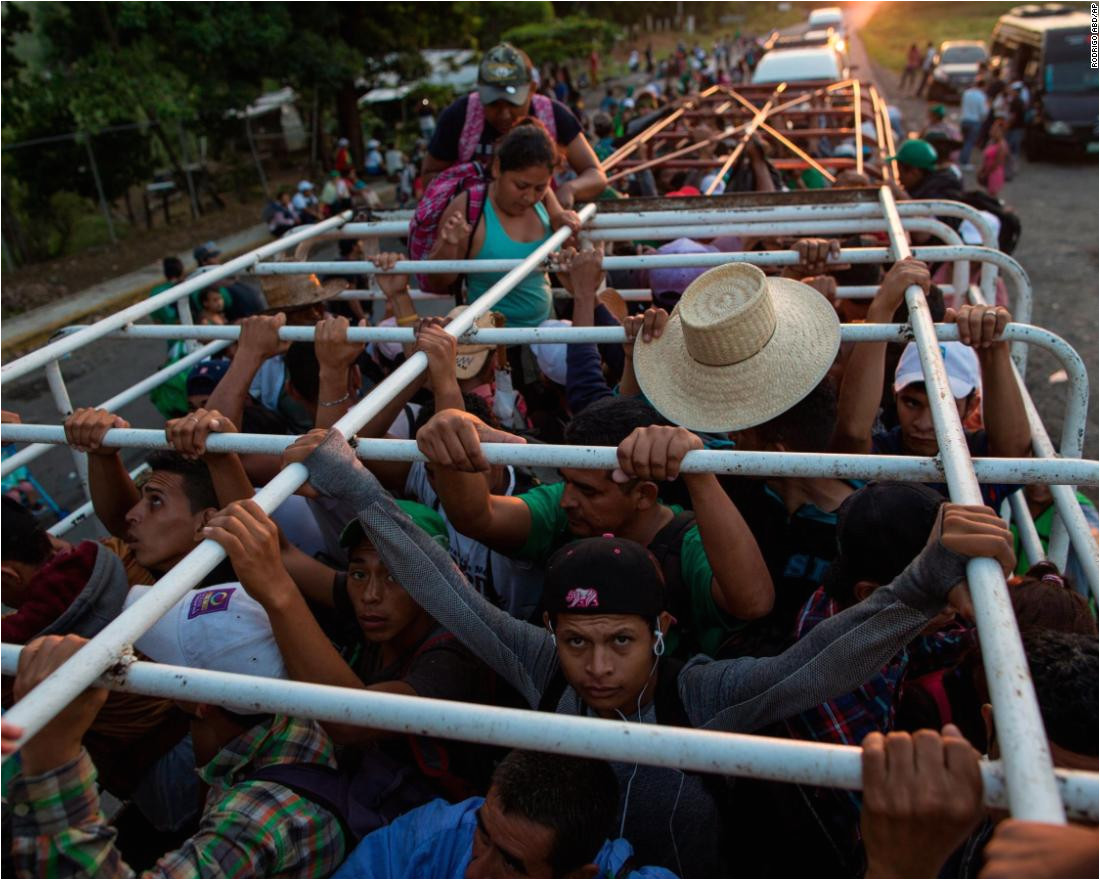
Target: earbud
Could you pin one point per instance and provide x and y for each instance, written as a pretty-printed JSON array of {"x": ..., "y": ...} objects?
[
  {"x": 553, "y": 635},
  {"x": 659, "y": 644}
]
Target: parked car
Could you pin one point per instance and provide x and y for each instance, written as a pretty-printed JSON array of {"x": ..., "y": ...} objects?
[
  {"x": 801, "y": 65},
  {"x": 1047, "y": 47},
  {"x": 955, "y": 67},
  {"x": 826, "y": 17}
]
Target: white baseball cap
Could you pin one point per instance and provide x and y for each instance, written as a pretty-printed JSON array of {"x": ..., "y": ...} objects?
[
  {"x": 219, "y": 628},
  {"x": 963, "y": 372},
  {"x": 551, "y": 356}
]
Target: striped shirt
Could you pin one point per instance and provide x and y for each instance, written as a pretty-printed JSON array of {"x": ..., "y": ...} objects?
[{"x": 249, "y": 828}]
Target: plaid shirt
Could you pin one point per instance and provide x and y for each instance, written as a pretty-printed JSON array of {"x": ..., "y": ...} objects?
[
  {"x": 248, "y": 828},
  {"x": 847, "y": 719}
]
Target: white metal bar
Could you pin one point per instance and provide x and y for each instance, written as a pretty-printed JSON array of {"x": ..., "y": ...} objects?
[
  {"x": 629, "y": 294},
  {"x": 1025, "y": 528},
  {"x": 153, "y": 380},
  {"x": 785, "y": 228},
  {"x": 55, "y": 349},
  {"x": 804, "y": 464},
  {"x": 1069, "y": 523},
  {"x": 65, "y": 408},
  {"x": 107, "y": 648},
  {"x": 1032, "y": 791},
  {"x": 704, "y": 751},
  {"x": 721, "y": 213}
]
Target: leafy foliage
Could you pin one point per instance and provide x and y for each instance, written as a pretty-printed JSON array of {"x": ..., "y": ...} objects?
[{"x": 572, "y": 37}]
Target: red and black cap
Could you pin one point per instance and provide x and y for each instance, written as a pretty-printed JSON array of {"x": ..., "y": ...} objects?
[{"x": 605, "y": 575}]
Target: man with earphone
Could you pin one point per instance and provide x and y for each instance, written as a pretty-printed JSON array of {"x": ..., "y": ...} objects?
[{"x": 599, "y": 651}]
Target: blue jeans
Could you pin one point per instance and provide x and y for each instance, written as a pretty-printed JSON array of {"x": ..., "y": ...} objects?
[
  {"x": 970, "y": 129},
  {"x": 1015, "y": 137}
]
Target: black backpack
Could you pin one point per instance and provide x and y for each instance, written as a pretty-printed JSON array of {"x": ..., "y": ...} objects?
[
  {"x": 362, "y": 799},
  {"x": 667, "y": 547},
  {"x": 1011, "y": 228}
]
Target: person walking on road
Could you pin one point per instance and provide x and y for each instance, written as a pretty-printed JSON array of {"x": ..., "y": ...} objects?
[
  {"x": 912, "y": 65},
  {"x": 926, "y": 68},
  {"x": 975, "y": 108}
]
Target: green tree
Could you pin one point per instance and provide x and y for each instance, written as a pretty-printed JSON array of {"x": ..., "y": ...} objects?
[
  {"x": 561, "y": 40},
  {"x": 502, "y": 17}
]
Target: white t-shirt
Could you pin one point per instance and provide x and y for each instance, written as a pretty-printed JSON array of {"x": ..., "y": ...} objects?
[{"x": 511, "y": 584}]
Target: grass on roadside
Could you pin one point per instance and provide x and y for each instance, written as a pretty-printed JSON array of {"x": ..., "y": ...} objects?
[{"x": 894, "y": 25}]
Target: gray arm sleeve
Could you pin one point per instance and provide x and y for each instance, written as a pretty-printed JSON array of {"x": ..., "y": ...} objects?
[
  {"x": 521, "y": 653},
  {"x": 835, "y": 657}
]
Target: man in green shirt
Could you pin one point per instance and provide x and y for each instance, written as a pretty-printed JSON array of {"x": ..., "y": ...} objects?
[{"x": 717, "y": 576}]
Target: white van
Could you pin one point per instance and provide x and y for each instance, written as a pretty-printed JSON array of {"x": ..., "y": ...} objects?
[{"x": 828, "y": 17}]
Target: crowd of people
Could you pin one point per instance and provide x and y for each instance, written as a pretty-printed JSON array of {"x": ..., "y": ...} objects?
[{"x": 809, "y": 608}]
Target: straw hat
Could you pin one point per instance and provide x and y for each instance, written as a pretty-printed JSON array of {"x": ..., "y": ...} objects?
[
  {"x": 292, "y": 291},
  {"x": 739, "y": 349},
  {"x": 470, "y": 358}
]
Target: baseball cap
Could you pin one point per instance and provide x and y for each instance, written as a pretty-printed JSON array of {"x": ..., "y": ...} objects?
[
  {"x": 206, "y": 375},
  {"x": 504, "y": 75},
  {"x": 918, "y": 153},
  {"x": 939, "y": 111},
  {"x": 880, "y": 529},
  {"x": 205, "y": 251},
  {"x": 551, "y": 356},
  {"x": 471, "y": 357},
  {"x": 304, "y": 186},
  {"x": 605, "y": 575},
  {"x": 219, "y": 628},
  {"x": 669, "y": 284},
  {"x": 963, "y": 372},
  {"x": 424, "y": 517},
  {"x": 391, "y": 351}
]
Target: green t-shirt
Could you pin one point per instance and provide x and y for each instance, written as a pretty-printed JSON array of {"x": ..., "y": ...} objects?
[
  {"x": 165, "y": 314},
  {"x": 550, "y": 530}
]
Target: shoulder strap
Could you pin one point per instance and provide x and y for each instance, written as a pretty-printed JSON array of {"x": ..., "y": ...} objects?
[
  {"x": 472, "y": 127},
  {"x": 544, "y": 112},
  {"x": 670, "y": 708},
  {"x": 666, "y": 546},
  {"x": 318, "y": 783},
  {"x": 553, "y": 692}
]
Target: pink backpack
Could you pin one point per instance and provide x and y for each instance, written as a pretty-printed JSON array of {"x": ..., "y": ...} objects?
[
  {"x": 470, "y": 139},
  {"x": 467, "y": 177}
]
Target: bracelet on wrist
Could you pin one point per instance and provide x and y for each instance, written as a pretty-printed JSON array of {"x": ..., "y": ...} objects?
[
  {"x": 336, "y": 402},
  {"x": 407, "y": 320}
]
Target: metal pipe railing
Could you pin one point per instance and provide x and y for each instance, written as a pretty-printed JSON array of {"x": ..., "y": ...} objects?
[
  {"x": 701, "y": 751},
  {"x": 153, "y": 380},
  {"x": 748, "y": 463},
  {"x": 109, "y": 646},
  {"x": 629, "y": 294},
  {"x": 1032, "y": 790},
  {"x": 1025, "y": 528},
  {"x": 64, "y": 406},
  {"x": 59, "y": 347}
]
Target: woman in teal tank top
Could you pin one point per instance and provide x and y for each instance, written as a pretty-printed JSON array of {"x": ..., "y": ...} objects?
[{"x": 513, "y": 224}]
